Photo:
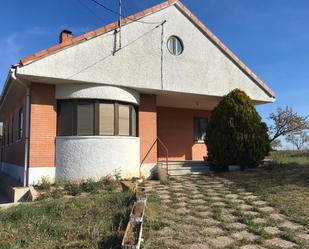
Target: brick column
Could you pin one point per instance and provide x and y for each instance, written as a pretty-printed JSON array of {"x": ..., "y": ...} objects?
[
  {"x": 43, "y": 125},
  {"x": 147, "y": 125}
]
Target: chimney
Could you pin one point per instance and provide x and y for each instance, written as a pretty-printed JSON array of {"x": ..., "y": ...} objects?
[{"x": 65, "y": 35}]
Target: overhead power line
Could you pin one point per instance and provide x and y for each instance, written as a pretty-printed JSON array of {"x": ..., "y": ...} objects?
[
  {"x": 91, "y": 11},
  {"x": 123, "y": 47},
  {"x": 119, "y": 14}
]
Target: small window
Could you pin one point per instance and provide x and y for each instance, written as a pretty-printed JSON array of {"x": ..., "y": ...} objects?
[
  {"x": 200, "y": 125},
  {"x": 175, "y": 45},
  {"x": 20, "y": 123}
]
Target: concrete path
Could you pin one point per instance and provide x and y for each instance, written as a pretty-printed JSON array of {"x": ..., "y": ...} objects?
[{"x": 211, "y": 212}]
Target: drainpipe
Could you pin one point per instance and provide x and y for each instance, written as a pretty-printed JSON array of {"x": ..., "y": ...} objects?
[{"x": 27, "y": 126}]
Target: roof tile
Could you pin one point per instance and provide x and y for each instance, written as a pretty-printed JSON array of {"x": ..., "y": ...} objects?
[
  {"x": 78, "y": 39},
  {"x": 41, "y": 53},
  {"x": 89, "y": 35},
  {"x": 54, "y": 48}
]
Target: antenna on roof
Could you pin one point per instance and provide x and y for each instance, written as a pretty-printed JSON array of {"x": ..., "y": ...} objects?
[{"x": 120, "y": 24}]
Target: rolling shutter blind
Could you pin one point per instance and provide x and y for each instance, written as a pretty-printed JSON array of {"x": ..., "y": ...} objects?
[
  {"x": 133, "y": 122},
  {"x": 85, "y": 119},
  {"x": 65, "y": 118},
  {"x": 107, "y": 119},
  {"x": 124, "y": 120}
]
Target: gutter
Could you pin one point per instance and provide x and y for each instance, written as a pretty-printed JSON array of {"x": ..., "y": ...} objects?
[{"x": 27, "y": 126}]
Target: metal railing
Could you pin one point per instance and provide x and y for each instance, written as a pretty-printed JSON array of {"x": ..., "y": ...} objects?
[{"x": 164, "y": 147}]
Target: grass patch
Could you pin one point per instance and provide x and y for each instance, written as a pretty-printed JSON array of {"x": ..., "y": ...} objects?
[
  {"x": 93, "y": 221},
  {"x": 284, "y": 184}
]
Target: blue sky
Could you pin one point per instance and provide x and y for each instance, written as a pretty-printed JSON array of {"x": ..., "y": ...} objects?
[{"x": 269, "y": 36}]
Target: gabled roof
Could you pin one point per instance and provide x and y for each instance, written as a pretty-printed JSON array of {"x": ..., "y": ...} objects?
[{"x": 139, "y": 15}]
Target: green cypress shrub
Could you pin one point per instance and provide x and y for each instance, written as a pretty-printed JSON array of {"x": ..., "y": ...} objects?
[{"x": 236, "y": 134}]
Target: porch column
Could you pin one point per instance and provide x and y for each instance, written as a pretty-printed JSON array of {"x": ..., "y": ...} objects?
[{"x": 147, "y": 124}]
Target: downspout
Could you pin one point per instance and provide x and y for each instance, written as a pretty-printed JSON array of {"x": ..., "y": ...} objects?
[{"x": 27, "y": 126}]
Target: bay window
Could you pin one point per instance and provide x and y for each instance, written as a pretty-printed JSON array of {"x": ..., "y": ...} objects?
[{"x": 96, "y": 117}]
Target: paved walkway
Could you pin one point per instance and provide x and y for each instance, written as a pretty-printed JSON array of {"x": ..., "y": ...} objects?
[{"x": 211, "y": 212}]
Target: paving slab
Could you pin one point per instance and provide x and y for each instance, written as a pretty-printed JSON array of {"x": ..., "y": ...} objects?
[
  {"x": 198, "y": 216},
  {"x": 199, "y": 246},
  {"x": 272, "y": 230},
  {"x": 236, "y": 226},
  {"x": 252, "y": 247},
  {"x": 244, "y": 235},
  {"x": 291, "y": 225},
  {"x": 221, "y": 241},
  {"x": 276, "y": 242},
  {"x": 210, "y": 231}
]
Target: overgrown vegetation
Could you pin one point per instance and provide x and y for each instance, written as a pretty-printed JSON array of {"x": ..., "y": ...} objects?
[
  {"x": 95, "y": 220},
  {"x": 235, "y": 133},
  {"x": 284, "y": 183},
  {"x": 57, "y": 190}
]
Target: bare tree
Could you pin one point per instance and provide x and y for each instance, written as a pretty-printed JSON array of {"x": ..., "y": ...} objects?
[
  {"x": 286, "y": 122},
  {"x": 276, "y": 144},
  {"x": 298, "y": 139}
]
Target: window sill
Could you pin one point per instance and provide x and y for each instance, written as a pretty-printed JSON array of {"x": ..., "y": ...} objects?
[
  {"x": 199, "y": 141},
  {"x": 95, "y": 137}
]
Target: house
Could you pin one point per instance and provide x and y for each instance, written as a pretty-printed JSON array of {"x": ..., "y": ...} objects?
[{"x": 119, "y": 99}]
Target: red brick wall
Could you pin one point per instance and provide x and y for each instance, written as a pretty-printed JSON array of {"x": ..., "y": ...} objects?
[
  {"x": 14, "y": 152},
  {"x": 43, "y": 125},
  {"x": 175, "y": 129},
  {"x": 147, "y": 123}
]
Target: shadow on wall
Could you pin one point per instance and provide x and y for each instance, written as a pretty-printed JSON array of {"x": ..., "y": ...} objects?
[{"x": 175, "y": 129}]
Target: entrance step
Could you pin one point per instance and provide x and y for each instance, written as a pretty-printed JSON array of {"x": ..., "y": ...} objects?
[
  {"x": 12, "y": 189},
  {"x": 183, "y": 168}
]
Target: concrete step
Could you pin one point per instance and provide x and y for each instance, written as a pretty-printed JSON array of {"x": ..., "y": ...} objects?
[
  {"x": 12, "y": 189},
  {"x": 188, "y": 172},
  {"x": 185, "y": 164},
  {"x": 182, "y": 168}
]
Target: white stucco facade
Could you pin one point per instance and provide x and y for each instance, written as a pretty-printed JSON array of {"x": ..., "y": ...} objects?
[
  {"x": 35, "y": 174},
  {"x": 202, "y": 68},
  {"x": 96, "y": 91},
  {"x": 80, "y": 158}
]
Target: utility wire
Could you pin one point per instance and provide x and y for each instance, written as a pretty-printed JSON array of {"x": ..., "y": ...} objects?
[
  {"x": 119, "y": 14},
  {"x": 91, "y": 11},
  {"x": 125, "y": 46}
]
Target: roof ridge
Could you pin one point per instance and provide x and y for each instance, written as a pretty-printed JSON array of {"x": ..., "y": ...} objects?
[{"x": 139, "y": 15}]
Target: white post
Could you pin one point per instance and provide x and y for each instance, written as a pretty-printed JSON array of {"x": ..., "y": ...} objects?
[{"x": 120, "y": 23}]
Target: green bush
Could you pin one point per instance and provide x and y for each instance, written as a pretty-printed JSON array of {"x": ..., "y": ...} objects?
[
  {"x": 73, "y": 188},
  {"x": 235, "y": 133}
]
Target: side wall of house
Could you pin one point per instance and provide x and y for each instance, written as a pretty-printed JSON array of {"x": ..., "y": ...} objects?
[
  {"x": 176, "y": 130},
  {"x": 13, "y": 147},
  {"x": 43, "y": 124},
  {"x": 147, "y": 125}
]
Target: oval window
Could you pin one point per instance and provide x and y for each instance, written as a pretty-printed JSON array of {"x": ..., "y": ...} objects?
[{"x": 175, "y": 45}]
